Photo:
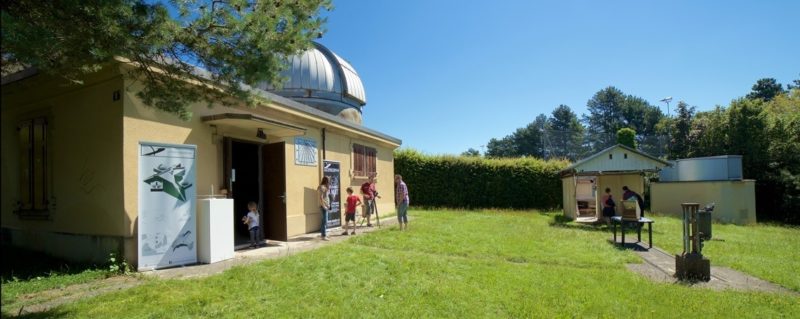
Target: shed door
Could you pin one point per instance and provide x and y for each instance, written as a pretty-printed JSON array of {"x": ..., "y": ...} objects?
[{"x": 274, "y": 186}]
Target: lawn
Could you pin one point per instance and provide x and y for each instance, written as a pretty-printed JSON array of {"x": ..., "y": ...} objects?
[
  {"x": 455, "y": 264},
  {"x": 25, "y": 272}
]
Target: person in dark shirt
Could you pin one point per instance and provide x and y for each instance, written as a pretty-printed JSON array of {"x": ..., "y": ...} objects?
[{"x": 627, "y": 194}]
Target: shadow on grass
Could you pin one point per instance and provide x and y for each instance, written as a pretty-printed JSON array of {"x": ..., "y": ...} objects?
[
  {"x": 23, "y": 264},
  {"x": 52, "y": 313},
  {"x": 561, "y": 221}
]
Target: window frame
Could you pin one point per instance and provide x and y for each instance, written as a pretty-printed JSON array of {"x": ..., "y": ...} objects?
[
  {"x": 35, "y": 198},
  {"x": 364, "y": 159}
]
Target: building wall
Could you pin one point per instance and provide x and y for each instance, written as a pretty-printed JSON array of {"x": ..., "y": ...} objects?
[
  {"x": 735, "y": 200},
  {"x": 86, "y": 220},
  {"x": 303, "y": 208},
  {"x": 617, "y": 162},
  {"x": 94, "y": 145}
]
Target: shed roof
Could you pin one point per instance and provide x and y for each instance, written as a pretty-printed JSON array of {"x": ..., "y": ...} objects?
[{"x": 617, "y": 158}]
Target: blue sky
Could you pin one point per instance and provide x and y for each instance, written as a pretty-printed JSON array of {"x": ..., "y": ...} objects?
[{"x": 445, "y": 76}]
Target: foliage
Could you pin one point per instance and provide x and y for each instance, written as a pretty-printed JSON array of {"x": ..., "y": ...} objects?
[
  {"x": 765, "y": 89},
  {"x": 568, "y": 140},
  {"x": 236, "y": 42},
  {"x": 447, "y": 181},
  {"x": 627, "y": 137},
  {"x": 459, "y": 264},
  {"x": 525, "y": 141},
  {"x": 118, "y": 265},
  {"x": 681, "y": 139},
  {"x": 471, "y": 152},
  {"x": 610, "y": 110}
]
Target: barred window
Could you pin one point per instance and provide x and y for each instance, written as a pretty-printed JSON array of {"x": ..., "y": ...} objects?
[
  {"x": 364, "y": 160},
  {"x": 34, "y": 174}
]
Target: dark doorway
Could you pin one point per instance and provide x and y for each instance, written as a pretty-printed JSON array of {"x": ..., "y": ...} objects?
[
  {"x": 274, "y": 179},
  {"x": 242, "y": 175}
]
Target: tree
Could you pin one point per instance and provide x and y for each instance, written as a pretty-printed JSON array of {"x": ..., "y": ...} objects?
[
  {"x": 627, "y": 137},
  {"x": 710, "y": 133},
  {"x": 610, "y": 110},
  {"x": 680, "y": 141},
  {"x": 605, "y": 117},
  {"x": 235, "y": 42},
  {"x": 471, "y": 152},
  {"x": 566, "y": 133},
  {"x": 794, "y": 85},
  {"x": 501, "y": 148},
  {"x": 765, "y": 89},
  {"x": 525, "y": 141},
  {"x": 748, "y": 135}
]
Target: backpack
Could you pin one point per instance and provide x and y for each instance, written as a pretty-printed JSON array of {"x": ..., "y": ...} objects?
[{"x": 610, "y": 202}]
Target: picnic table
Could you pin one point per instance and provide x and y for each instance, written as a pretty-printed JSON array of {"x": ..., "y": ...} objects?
[{"x": 642, "y": 220}]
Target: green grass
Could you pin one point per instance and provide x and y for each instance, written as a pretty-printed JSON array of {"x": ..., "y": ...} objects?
[
  {"x": 449, "y": 264},
  {"x": 25, "y": 272},
  {"x": 770, "y": 252}
]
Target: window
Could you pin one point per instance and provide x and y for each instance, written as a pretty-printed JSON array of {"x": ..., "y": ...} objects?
[
  {"x": 34, "y": 175},
  {"x": 364, "y": 160}
]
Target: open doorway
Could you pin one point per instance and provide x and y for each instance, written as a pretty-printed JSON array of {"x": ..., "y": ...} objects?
[
  {"x": 256, "y": 172},
  {"x": 586, "y": 196},
  {"x": 244, "y": 184}
]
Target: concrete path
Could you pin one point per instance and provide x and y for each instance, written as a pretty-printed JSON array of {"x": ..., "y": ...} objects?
[
  {"x": 660, "y": 266},
  {"x": 274, "y": 249}
]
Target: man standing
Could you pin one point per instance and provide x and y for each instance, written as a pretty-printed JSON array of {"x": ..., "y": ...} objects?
[
  {"x": 369, "y": 194},
  {"x": 401, "y": 202},
  {"x": 627, "y": 194}
]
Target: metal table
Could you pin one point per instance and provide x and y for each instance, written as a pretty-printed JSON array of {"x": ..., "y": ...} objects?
[{"x": 618, "y": 220}]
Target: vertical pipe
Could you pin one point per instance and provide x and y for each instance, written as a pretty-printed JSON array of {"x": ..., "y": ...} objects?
[{"x": 323, "y": 143}]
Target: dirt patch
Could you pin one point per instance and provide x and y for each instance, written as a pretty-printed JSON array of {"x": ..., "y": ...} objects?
[{"x": 49, "y": 299}]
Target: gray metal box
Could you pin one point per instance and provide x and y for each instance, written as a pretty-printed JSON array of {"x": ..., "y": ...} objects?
[{"x": 714, "y": 168}]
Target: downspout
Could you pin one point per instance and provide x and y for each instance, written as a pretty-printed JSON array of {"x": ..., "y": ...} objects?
[{"x": 323, "y": 143}]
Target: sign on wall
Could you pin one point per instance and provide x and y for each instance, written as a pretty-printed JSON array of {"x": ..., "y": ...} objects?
[
  {"x": 305, "y": 151},
  {"x": 167, "y": 226},
  {"x": 331, "y": 169}
]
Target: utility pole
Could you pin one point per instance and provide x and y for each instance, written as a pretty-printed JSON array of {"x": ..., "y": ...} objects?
[{"x": 669, "y": 123}]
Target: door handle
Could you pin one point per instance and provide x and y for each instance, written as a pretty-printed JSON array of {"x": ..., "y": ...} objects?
[{"x": 283, "y": 198}]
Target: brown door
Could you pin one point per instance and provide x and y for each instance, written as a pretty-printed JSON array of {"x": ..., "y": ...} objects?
[{"x": 274, "y": 186}]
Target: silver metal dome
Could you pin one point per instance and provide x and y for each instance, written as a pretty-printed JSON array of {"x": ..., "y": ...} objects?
[{"x": 321, "y": 79}]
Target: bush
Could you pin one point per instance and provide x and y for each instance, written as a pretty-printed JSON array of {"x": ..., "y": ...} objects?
[{"x": 473, "y": 182}]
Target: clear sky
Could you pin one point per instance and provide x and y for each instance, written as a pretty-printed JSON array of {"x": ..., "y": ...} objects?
[{"x": 445, "y": 76}]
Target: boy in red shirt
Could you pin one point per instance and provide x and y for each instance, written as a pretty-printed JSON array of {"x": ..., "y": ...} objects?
[{"x": 350, "y": 211}]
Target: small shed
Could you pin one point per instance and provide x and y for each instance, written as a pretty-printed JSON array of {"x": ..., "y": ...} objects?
[{"x": 583, "y": 183}]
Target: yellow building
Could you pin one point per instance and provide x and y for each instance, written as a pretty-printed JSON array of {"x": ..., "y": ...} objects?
[{"x": 70, "y": 154}]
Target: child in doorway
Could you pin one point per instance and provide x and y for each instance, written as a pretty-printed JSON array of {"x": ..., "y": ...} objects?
[
  {"x": 252, "y": 222},
  {"x": 350, "y": 213}
]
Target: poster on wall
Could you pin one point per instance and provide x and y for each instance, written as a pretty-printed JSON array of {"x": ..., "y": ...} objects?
[
  {"x": 331, "y": 169},
  {"x": 167, "y": 227}
]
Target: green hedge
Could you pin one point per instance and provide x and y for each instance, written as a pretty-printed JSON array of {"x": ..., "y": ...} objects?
[{"x": 474, "y": 182}]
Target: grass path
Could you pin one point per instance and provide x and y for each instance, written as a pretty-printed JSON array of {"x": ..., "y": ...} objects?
[{"x": 449, "y": 264}]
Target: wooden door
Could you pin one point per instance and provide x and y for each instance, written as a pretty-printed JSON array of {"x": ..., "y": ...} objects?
[{"x": 274, "y": 186}]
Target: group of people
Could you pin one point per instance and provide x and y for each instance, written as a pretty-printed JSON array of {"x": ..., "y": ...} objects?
[
  {"x": 367, "y": 200},
  {"x": 609, "y": 206},
  {"x": 369, "y": 193}
]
